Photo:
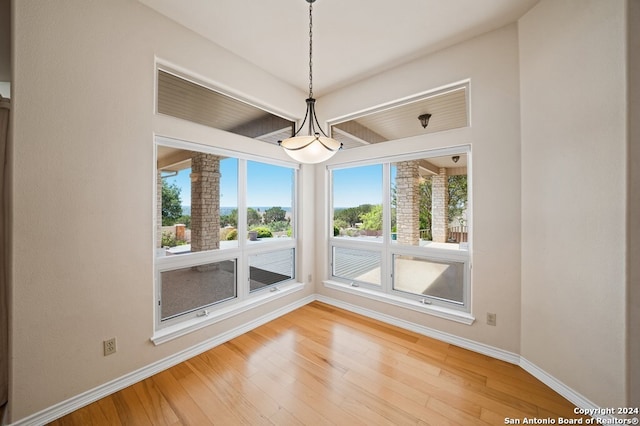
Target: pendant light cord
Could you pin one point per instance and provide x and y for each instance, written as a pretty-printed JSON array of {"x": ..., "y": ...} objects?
[
  {"x": 310, "y": 50},
  {"x": 298, "y": 146}
]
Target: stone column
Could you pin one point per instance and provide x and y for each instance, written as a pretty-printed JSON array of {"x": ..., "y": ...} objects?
[
  {"x": 408, "y": 203},
  {"x": 439, "y": 207},
  {"x": 205, "y": 202}
]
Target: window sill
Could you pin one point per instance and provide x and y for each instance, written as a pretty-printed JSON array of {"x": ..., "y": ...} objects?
[
  {"x": 438, "y": 311},
  {"x": 169, "y": 333}
]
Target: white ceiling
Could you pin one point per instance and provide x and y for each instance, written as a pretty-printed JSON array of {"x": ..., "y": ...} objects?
[{"x": 352, "y": 39}]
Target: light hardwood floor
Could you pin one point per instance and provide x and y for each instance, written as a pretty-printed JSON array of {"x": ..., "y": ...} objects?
[{"x": 320, "y": 365}]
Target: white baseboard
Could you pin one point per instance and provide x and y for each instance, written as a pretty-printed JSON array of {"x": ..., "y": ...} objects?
[
  {"x": 79, "y": 401},
  {"x": 426, "y": 331},
  {"x": 571, "y": 395},
  {"x": 92, "y": 395}
]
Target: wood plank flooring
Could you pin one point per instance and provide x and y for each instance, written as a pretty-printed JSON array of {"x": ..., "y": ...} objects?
[{"x": 320, "y": 365}]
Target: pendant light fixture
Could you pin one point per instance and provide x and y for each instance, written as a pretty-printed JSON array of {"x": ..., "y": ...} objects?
[{"x": 316, "y": 146}]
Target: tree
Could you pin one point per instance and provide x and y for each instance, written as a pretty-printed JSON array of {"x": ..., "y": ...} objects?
[
  {"x": 424, "y": 191},
  {"x": 230, "y": 219},
  {"x": 275, "y": 214},
  {"x": 185, "y": 220},
  {"x": 171, "y": 203},
  {"x": 351, "y": 215},
  {"x": 457, "y": 186},
  {"x": 253, "y": 217},
  {"x": 372, "y": 220}
]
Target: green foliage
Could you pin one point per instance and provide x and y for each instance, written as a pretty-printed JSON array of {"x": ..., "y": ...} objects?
[
  {"x": 351, "y": 232},
  {"x": 340, "y": 224},
  {"x": 336, "y": 231},
  {"x": 457, "y": 186},
  {"x": 232, "y": 235},
  {"x": 279, "y": 226},
  {"x": 230, "y": 219},
  {"x": 275, "y": 214},
  {"x": 253, "y": 217},
  {"x": 372, "y": 220},
  {"x": 351, "y": 215},
  {"x": 424, "y": 192},
  {"x": 171, "y": 203},
  {"x": 185, "y": 219},
  {"x": 263, "y": 232},
  {"x": 169, "y": 240}
]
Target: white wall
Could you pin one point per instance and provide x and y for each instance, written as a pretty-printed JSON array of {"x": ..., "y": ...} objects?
[
  {"x": 83, "y": 160},
  {"x": 573, "y": 194},
  {"x": 491, "y": 63},
  {"x": 633, "y": 200}
]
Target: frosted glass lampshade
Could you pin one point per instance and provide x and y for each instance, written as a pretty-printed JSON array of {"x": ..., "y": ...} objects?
[{"x": 310, "y": 149}]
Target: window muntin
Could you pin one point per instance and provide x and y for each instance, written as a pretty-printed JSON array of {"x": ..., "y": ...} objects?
[
  {"x": 270, "y": 268},
  {"x": 190, "y": 289},
  {"x": 193, "y": 280},
  {"x": 410, "y": 213}
]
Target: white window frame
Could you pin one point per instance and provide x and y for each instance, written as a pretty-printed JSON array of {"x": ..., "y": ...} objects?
[
  {"x": 245, "y": 300},
  {"x": 385, "y": 292}
]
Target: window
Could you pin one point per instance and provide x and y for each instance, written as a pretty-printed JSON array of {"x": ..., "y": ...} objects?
[
  {"x": 437, "y": 279},
  {"x": 270, "y": 268},
  {"x": 357, "y": 201},
  {"x": 270, "y": 200},
  {"x": 357, "y": 265},
  {"x": 199, "y": 201},
  {"x": 400, "y": 227},
  {"x": 196, "y": 287},
  {"x": 224, "y": 230}
]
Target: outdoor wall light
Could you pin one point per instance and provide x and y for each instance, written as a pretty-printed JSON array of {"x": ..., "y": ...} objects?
[
  {"x": 424, "y": 120},
  {"x": 316, "y": 146}
]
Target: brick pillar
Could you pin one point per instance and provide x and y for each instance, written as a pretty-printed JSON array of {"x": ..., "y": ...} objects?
[
  {"x": 439, "y": 207},
  {"x": 205, "y": 202},
  {"x": 408, "y": 203}
]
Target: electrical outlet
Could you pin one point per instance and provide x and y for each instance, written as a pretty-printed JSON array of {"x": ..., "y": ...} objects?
[
  {"x": 491, "y": 318},
  {"x": 109, "y": 346}
]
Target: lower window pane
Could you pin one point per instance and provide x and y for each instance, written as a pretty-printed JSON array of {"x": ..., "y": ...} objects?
[
  {"x": 358, "y": 265},
  {"x": 196, "y": 287},
  {"x": 266, "y": 269},
  {"x": 427, "y": 277}
]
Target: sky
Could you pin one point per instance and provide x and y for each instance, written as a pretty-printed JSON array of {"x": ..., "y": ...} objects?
[
  {"x": 269, "y": 185},
  {"x": 357, "y": 185}
]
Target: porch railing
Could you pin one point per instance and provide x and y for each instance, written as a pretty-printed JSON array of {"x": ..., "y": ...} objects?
[{"x": 459, "y": 234}]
